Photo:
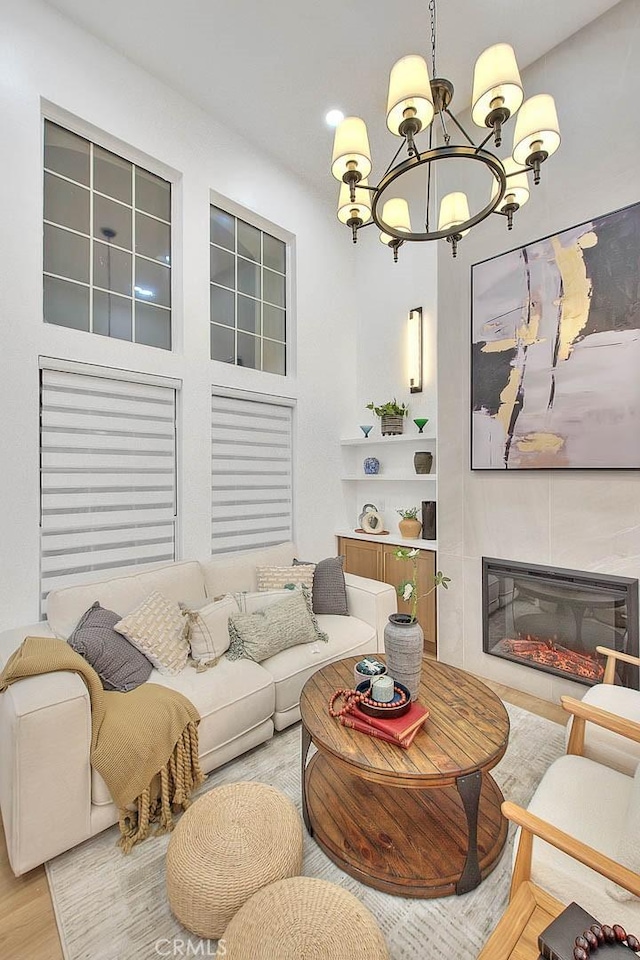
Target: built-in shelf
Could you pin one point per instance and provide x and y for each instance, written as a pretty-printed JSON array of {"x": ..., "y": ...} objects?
[
  {"x": 391, "y": 478},
  {"x": 402, "y": 438},
  {"x": 393, "y": 538}
]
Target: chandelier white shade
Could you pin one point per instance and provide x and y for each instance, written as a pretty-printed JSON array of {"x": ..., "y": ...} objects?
[
  {"x": 537, "y": 129},
  {"x": 454, "y": 210},
  {"x": 395, "y": 214},
  {"x": 496, "y": 83},
  {"x": 419, "y": 113},
  {"x": 409, "y": 94},
  {"x": 360, "y": 208},
  {"x": 517, "y": 190},
  {"x": 351, "y": 148}
]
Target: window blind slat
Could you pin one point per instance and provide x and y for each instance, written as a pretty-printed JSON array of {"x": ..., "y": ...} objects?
[
  {"x": 250, "y": 474},
  {"x": 108, "y": 498}
]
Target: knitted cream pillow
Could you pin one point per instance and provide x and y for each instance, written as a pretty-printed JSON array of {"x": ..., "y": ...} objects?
[
  {"x": 157, "y": 628},
  {"x": 278, "y": 578}
]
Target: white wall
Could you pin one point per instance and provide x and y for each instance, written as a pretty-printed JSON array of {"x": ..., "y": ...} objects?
[
  {"x": 42, "y": 55},
  {"x": 575, "y": 519},
  {"x": 386, "y": 292}
]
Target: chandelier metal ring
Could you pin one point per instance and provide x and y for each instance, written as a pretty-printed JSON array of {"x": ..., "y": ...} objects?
[{"x": 433, "y": 156}]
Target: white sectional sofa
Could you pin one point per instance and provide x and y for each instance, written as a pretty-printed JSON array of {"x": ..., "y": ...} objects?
[{"x": 50, "y": 797}]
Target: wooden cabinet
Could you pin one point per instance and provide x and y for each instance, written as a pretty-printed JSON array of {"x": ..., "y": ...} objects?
[{"x": 377, "y": 561}]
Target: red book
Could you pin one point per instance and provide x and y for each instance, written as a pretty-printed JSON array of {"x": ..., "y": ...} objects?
[
  {"x": 355, "y": 723},
  {"x": 397, "y": 727}
]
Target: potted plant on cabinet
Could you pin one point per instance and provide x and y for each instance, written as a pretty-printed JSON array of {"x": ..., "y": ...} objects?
[
  {"x": 403, "y": 636},
  {"x": 391, "y": 415},
  {"x": 409, "y": 526}
]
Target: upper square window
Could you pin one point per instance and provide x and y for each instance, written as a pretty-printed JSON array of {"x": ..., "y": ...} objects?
[
  {"x": 107, "y": 242},
  {"x": 248, "y": 294}
]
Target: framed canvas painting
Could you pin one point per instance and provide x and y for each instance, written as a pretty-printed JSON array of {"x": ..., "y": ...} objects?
[{"x": 555, "y": 362}]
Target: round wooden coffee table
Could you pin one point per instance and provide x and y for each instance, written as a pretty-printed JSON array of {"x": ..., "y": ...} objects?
[{"x": 422, "y": 822}]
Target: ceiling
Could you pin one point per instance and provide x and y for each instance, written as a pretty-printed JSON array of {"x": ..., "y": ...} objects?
[{"x": 270, "y": 69}]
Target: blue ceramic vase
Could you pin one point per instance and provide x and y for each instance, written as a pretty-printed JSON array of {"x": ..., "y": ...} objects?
[{"x": 371, "y": 465}]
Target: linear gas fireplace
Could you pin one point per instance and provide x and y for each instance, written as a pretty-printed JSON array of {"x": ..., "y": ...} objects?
[{"x": 553, "y": 619}]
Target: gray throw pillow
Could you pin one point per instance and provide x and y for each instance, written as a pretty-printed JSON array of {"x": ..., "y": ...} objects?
[
  {"x": 287, "y": 623},
  {"x": 116, "y": 661},
  {"x": 329, "y": 589}
]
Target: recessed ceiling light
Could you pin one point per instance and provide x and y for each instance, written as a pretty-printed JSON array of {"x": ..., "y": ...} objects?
[{"x": 334, "y": 117}]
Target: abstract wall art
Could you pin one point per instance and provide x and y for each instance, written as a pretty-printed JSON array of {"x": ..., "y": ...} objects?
[{"x": 555, "y": 365}]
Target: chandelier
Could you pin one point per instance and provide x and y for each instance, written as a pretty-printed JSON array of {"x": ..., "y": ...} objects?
[{"x": 418, "y": 102}]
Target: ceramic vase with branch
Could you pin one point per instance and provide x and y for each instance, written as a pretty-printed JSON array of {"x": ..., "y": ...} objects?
[{"x": 403, "y": 636}]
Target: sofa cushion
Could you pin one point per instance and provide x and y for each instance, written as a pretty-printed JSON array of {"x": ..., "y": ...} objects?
[
  {"x": 208, "y": 629},
  {"x": 254, "y": 602},
  {"x": 348, "y": 637},
  {"x": 589, "y": 802},
  {"x": 157, "y": 628},
  {"x": 177, "y": 581},
  {"x": 329, "y": 587},
  {"x": 628, "y": 849},
  {"x": 231, "y": 700},
  {"x": 233, "y": 573},
  {"x": 281, "y": 625},
  {"x": 603, "y": 745},
  {"x": 119, "y": 664}
]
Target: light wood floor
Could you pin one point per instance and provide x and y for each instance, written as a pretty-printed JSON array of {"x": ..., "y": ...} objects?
[{"x": 27, "y": 925}]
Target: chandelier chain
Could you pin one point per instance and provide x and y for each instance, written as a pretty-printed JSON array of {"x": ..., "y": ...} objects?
[{"x": 432, "y": 11}]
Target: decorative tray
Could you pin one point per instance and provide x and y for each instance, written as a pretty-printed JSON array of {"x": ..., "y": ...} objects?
[
  {"x": 378, "y": 533},
  {"x": 397, "y": 708}
]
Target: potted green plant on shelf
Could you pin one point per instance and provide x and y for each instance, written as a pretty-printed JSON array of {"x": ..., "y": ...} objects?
[
  {"x": 409, "y": 526},
  {"x": 403, "y": 636},
  {"x": 391, "y": 415}
]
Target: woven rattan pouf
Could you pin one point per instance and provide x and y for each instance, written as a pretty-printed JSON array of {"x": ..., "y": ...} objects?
[
  {"x": 303, "y": 918},
  {"x": 229, "y": 844}
]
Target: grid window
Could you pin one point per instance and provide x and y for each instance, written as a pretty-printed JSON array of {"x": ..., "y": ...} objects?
[
  {"x": 107, "y": 242},
  {"x": 248, "y": 272}
]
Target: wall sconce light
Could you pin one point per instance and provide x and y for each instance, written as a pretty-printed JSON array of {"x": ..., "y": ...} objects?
[{"x": 415, "y": 350}]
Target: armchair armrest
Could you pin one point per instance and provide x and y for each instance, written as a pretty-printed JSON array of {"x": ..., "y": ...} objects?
[
  {"x": 534, "y": 826},
  {"x": 371, "y": 601},
  {"x": 610, "y": 721},
  {"x": 610, "y": 665}
]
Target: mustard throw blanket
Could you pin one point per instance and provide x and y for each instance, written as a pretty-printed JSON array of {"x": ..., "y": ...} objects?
[{"x": 144, "y": 743}]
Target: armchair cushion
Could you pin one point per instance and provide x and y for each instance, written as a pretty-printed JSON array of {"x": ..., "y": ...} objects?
[
  {"x": 628, "y": 848},
  {"x": 602, "y": 745}
]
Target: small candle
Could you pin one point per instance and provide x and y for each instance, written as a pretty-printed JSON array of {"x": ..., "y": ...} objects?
[{"x": 382, "y": 689}]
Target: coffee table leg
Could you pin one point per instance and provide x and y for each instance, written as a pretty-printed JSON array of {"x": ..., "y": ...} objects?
[
  {"x": 306, "y": 743},
  {"x": 469, "y": 789}
]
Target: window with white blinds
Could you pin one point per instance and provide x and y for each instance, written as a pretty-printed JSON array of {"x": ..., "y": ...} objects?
[
  {"x": 108, "y": 477},
  {"x": 250, "y": 474}
]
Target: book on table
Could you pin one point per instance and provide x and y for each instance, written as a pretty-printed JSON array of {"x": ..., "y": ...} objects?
[
  {"x": 397, "y": 727},
  {"x": 400, "y": 731}
]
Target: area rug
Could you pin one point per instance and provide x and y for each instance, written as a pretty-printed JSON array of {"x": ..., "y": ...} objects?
[{"x": 114, "y": 907}]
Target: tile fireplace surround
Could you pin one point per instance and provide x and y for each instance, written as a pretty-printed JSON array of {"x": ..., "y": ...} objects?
[{"x": 552, "y": 619}]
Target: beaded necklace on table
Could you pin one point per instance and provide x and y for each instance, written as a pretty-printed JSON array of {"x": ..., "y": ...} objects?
[{"x": 352, "y": 698}]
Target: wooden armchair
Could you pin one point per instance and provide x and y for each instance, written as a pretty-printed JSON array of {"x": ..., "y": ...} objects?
[
  {"x": 605, "y": 745},
  {"x": 531, "y": 908},
  {"x": 581, "y": 814}
]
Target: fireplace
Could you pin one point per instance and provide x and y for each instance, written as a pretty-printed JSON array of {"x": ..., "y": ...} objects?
[{"x": 553, "y": 619}]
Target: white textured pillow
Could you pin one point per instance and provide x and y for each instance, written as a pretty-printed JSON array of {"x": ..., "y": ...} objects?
[
  {"x": 628, "y": 852},
  {"x": 157, "y": 629},
  {"x": 276, "y": 578},
  {"x": 208, "y": 629}
]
